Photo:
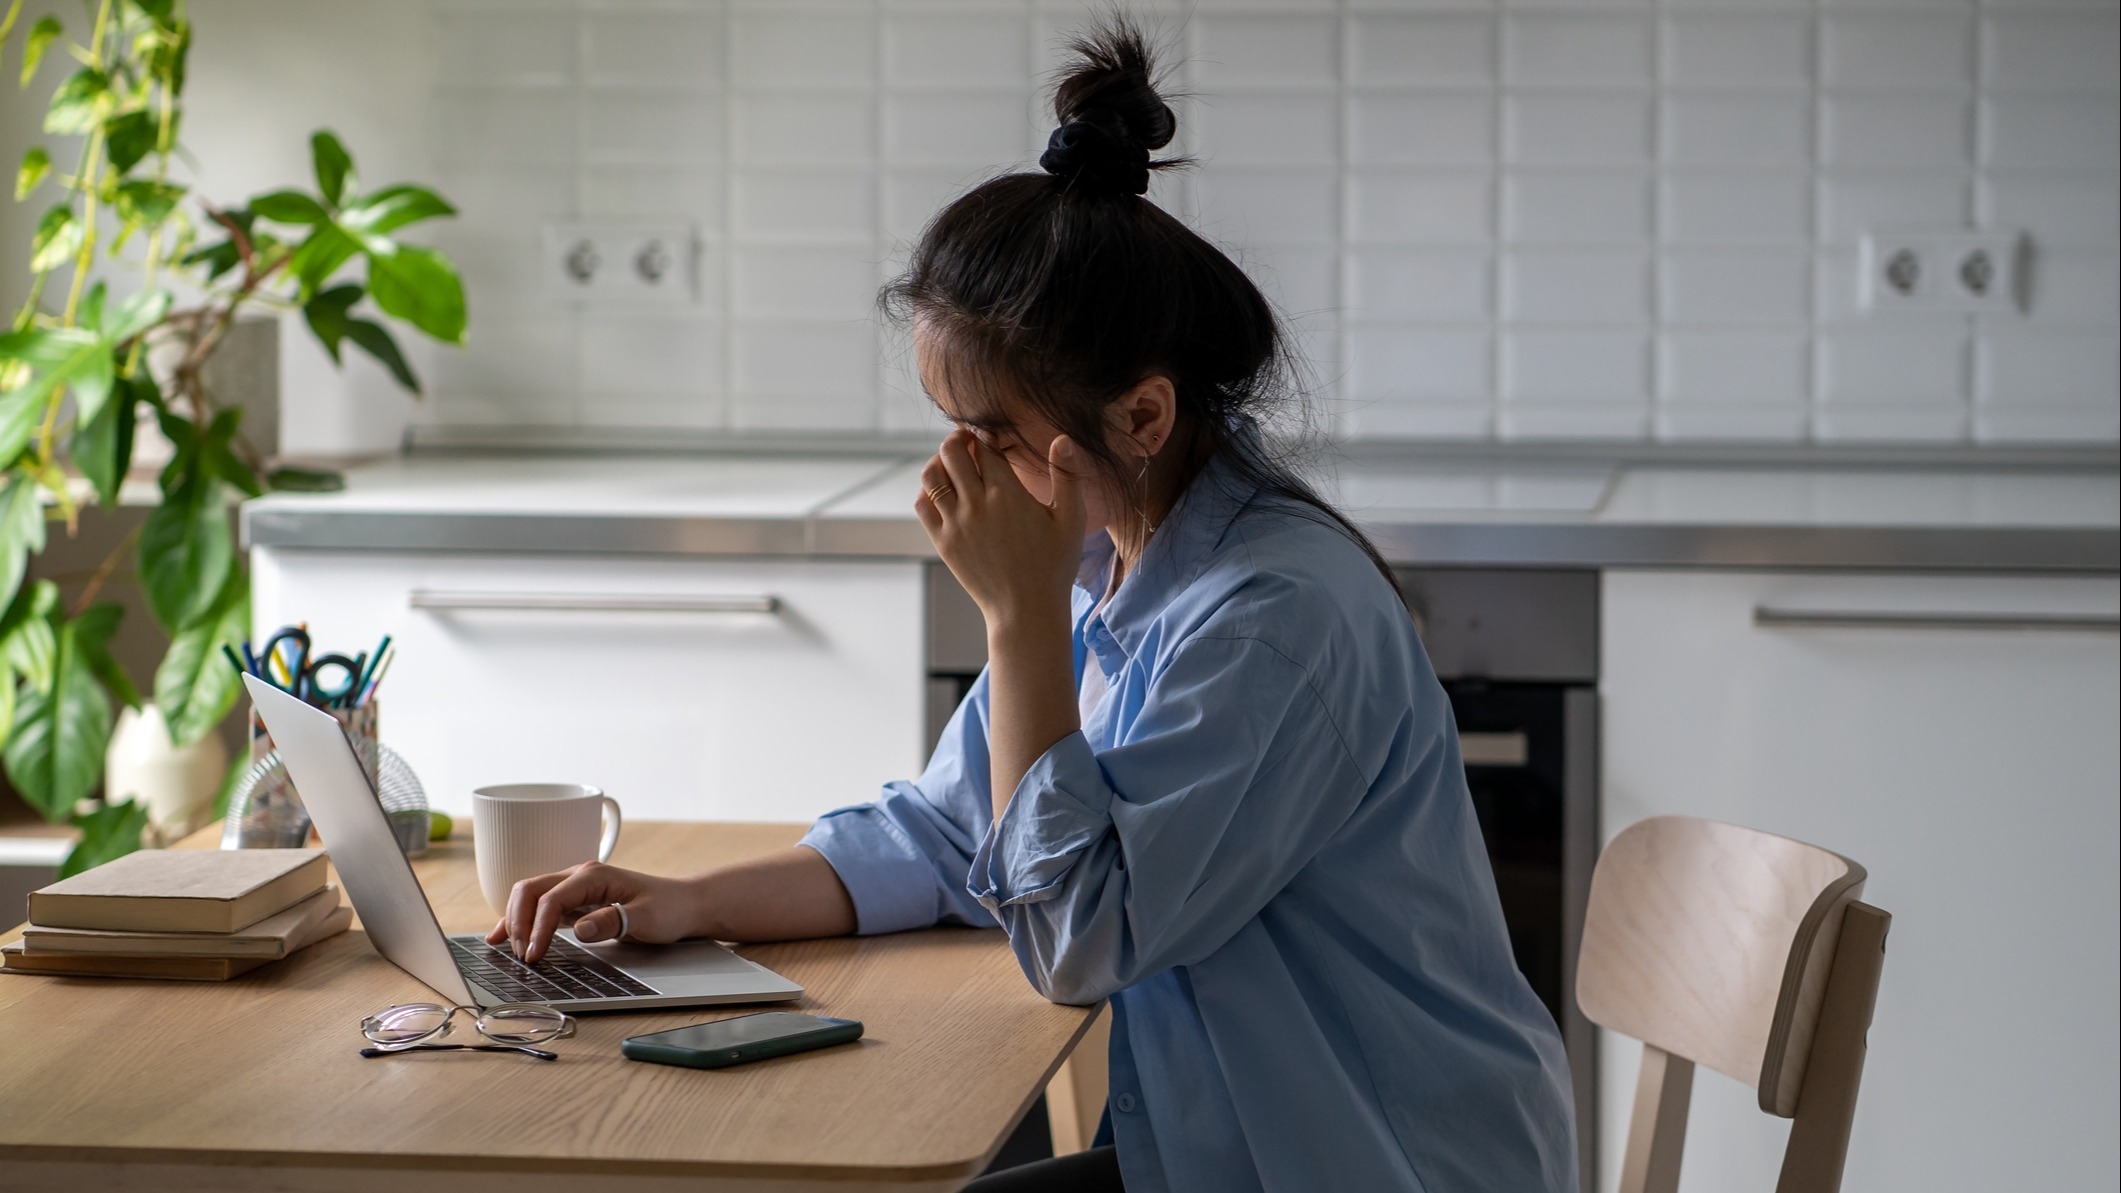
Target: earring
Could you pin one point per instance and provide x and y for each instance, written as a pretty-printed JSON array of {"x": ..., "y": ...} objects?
[{"x": 1141, "y": 484}]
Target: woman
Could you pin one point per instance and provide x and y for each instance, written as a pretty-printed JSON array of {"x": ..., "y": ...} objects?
[{"x": 1208, "y": 774}]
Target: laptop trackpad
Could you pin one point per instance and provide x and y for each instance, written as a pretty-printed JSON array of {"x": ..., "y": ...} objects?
[{"x": 692, "y": 967}]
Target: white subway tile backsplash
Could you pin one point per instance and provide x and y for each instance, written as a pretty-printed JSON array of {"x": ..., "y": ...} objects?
[
  {"x": 2050, "y": 51},
  {"x": 1609, "y": 368},
  {"x": 653, "y": 127},
  {"x": 1486, "y": 219},
  {"x": 1432, "y": 286},
  {"x": 1575, "y": 207},
  {"x": 1396, "y": 208},
  {"x": 2048, "y": 369},
  {"x": 1852, "y": 204},
  {"x": 1239, "y": 51},
  {"x": 1567, "y": 49},
  {"x": 1280, "y": 129},
  {"x": 1879, "y": 367},
  {"x": 1421, "y": 129},
  {"x": 794, "y": 282},
  {"x": 1734, "y": 289},
  {"x": 1580, "y": 286},
  {"x": 811, "y": 205},
  {"x": 1710, "y": 129},
  {"x": 1576, "y": 129},
  {"x": 2051, "y": 133},
  {"x": 790, "y": 129},
  {"x": 1871, "y": 132},
  {"x": 1736, "y": 209},
  {"x": 1903, "y": 49},
  {"x": 1715, "y": 49},
  {"x": 969, "y": 47},
  {"x": 2059, "y": 211},
  {"x": 1396, "y": 49},
  {"x": 959, "y": 128},
  {"x": 1721, "y": 368},
  {"x": 786, "y": 47},
  {"x": 1240, "y": 207},
  {"x": 1409, "y": 364},
  {"x": 655, "y": 48}
]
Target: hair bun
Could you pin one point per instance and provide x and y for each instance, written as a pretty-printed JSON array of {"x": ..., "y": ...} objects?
[{"x": 1109, "y": 111}]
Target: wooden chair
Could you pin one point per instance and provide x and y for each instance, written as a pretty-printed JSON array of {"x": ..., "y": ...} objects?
[{"x": 1747, "y": 953}]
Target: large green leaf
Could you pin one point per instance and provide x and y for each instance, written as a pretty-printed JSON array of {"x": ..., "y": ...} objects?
[
  {"x": 420, "y": 286},
  {"x": 102, "y": 447},
  {"x": 185, "y": 552},
  {"x": 327, "y": 315},
  {"x": 129, "y": 137},
  {"x": 21, "y": 528},
  {"x": 392, "y": 208},
  {"x": 136, "y": 314},
  {"x": 20, "y": 415},
  {"x": 107, "y": 834},
  {"x": 320, "y": 256},
  {"x": 27, "y": 640},
  {"x": 39, "y": 39},
  {"x": 57, "y": 239},
  {"x": 195, "y": 687},
  {"x": 56, "y": 751},
  {"x": 80, "y": 102},
  {"x": 92, "y": 635},
  {"x": 289, "y": 207},
  {"x": 334, "y": 166},
  {"x": 73, "y": 356},
  {"x": 148, "y": 202},
  {"x": 36, "y": 163},
  {"x": 375, "y": 340}
]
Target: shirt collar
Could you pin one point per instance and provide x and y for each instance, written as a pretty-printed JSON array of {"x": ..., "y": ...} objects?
[{"x": 1176, "y": 554}]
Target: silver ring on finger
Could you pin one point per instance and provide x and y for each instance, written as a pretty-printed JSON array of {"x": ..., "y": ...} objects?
[{"x": 625, "y": 928}]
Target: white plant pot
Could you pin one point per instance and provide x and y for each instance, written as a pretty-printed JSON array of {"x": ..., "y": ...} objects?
[{"x": 176, "y": 783}]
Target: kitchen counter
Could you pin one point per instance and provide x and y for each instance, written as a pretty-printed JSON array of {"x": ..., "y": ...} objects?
[{"x": 1422, "y": 509}]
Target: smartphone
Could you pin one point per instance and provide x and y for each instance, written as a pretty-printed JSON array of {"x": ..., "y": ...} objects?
[{"x": 728, "y": 1042}]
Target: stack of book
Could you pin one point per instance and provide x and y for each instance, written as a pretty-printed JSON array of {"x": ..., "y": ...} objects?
[{"x": 199, "y": 914}]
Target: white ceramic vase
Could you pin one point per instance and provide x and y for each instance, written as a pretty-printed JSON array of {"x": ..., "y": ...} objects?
[{"x": 176, "y": 783}]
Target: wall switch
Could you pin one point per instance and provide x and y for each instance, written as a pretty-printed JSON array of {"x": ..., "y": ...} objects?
[
  {"x": 1944, "y": 270},
  {"x": 621, "y": 264}
]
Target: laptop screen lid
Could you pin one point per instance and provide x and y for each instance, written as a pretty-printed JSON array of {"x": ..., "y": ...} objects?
[{"x": 343, "y": 804}]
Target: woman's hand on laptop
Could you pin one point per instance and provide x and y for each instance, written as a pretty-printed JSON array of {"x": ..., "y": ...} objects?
[{"x": 658, "y": 910}]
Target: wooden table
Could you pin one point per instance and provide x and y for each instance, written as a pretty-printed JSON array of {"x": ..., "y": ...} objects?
[{"x": 255, "y": 1084}]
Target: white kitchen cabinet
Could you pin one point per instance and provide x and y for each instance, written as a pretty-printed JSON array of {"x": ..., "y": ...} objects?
[
  {"x": 1973, "y": 772},
  {"x": 700, "y": 713}
]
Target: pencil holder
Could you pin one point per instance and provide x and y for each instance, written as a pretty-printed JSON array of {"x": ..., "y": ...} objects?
[{"x": 267, "y": 811}]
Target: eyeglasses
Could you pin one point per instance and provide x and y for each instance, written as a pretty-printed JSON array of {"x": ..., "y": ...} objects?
[{"x": 512, "y": 1026}]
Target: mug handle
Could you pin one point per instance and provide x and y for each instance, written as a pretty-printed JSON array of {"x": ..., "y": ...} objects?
[{"x": 611, "y": 829}]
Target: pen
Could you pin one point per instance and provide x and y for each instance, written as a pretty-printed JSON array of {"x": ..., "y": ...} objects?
[
  {"x": 377, "y": 660},
  {"x": 376, "y": 679},
  {"x": 229, "y": 653}
]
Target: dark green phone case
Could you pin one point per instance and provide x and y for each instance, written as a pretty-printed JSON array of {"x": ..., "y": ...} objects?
[{"x": 827, "y": 1033}]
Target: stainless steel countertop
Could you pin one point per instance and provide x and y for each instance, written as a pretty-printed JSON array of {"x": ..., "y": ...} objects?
[{"x": 1434, "y": 510}]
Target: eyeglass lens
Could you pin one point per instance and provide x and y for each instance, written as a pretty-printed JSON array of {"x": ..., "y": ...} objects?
[{"x": 508, "y": 1023}]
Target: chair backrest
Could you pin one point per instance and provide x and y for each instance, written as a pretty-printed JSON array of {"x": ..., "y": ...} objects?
[{"x": 1716, "y": 945}]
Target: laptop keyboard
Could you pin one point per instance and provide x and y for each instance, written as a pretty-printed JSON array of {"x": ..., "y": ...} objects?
[{"x": 567, "y": 972}]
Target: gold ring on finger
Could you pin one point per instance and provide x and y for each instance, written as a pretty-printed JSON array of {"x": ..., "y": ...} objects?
[{"x": 936, "y": 495}]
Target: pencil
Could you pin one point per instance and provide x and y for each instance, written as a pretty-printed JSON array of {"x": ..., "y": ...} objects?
[
  {"x": 370, "y": 691},
  {"x": 229, "y": 653}
]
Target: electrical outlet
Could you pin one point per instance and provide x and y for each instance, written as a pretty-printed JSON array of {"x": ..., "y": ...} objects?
[
  {"x": 627, "y": 264},
  {"x": 1946, "y": 271}
]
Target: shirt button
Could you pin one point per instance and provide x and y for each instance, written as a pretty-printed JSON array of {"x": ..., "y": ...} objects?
[{"x": 1125, "y": 1102}]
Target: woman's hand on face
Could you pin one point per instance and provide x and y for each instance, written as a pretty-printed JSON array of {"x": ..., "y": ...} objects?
[
  {"x": 657, "y": 909},
  {"x": 1014, "y": 555}
]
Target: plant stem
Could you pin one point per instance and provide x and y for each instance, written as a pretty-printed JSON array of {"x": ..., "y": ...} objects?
[{"x": 103, "y": 573}]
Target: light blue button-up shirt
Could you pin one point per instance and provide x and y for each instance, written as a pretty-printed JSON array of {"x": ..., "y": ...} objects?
[{"x": 1260, "y": 847}]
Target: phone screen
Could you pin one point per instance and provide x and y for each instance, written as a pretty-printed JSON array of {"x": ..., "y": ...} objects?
[{"x": 743, "y": 1030}]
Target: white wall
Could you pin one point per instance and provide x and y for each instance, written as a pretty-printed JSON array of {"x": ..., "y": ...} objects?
[{"x": 1629, "y": 219}]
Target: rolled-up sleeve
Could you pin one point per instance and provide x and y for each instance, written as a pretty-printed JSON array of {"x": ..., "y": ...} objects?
[
  {"x": 904, "y": 856},
  {"x": 1111, "y": 866}
]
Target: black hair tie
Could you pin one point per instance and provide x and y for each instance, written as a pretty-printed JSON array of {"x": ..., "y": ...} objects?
[{"x": 1095, "y": 156}]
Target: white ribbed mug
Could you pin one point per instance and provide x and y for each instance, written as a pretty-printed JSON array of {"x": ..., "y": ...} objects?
[{"x": 522, "y": 830}]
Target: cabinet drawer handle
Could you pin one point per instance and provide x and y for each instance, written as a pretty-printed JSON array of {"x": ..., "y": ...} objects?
[
  {"x": 584, "y": 602},
  {"x": 1860, "y": 619}
]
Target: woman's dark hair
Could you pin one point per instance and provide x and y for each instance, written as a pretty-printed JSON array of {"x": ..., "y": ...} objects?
[{"x": 1065, "y": 289}]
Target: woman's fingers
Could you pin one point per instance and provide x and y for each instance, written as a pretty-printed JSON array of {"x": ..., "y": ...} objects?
[
  {"x": 1065, "y": 462},
  {"x": 960, "y": 472},
  {"x": 601, "y": 924},
  {"x": 522, "y": 906}
]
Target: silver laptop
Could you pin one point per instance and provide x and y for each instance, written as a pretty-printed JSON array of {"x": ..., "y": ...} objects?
[{"x": 573, "y": 976}]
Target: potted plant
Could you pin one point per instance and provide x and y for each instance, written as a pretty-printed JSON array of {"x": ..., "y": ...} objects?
[{"x": 83, "y": 362}]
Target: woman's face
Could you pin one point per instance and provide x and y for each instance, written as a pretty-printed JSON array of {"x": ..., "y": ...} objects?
[{"x": 1024, "y": 441}]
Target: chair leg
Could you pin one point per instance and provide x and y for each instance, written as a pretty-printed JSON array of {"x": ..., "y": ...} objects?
[
  {"x": 1826, "y": 1107},
  {"x": 1657, "y": 1128}
]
